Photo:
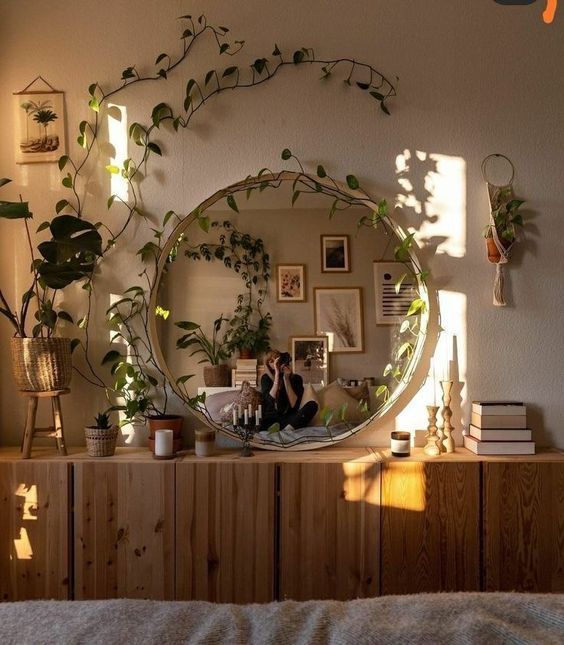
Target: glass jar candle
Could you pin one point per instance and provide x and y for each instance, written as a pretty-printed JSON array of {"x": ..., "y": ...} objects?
[
  {"x": 401, "y": 444},
  {"x": 204, "y": 443}
]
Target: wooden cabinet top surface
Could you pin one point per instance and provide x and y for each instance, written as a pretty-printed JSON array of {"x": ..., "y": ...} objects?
[{"x": 324, "y": 455}]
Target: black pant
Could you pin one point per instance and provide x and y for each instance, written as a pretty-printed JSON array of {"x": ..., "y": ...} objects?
[{"x": 297, "y": 419}]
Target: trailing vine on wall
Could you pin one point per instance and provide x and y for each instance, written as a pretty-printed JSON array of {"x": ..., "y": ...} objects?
[{"x": 197, "y": 94}]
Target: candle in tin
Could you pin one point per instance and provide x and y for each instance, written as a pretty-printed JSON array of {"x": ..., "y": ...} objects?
[{"x": 400, "y": 444}]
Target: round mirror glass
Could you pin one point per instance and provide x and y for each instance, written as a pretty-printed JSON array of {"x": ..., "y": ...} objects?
[{"x": 290, "y": 263}]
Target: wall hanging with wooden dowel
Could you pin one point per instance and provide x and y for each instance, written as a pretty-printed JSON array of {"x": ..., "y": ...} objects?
[{"x": 505, "y": 220}]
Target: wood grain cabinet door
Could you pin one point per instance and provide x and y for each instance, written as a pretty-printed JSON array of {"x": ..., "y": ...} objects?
[
  {"x": 430, "y": 527},
  {"x": 329, "y": 530},
  {"x": 524, "y": 526},
  {"x": 225, "y": 523},
  {"x": 124, "y": 530},
  {"x": 34, "y": 529}
]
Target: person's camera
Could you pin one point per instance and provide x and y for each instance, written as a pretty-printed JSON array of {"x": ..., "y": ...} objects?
[{"x": 285, "y": 359}]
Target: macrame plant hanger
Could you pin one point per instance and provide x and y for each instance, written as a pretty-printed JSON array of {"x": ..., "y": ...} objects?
[{"x": 498, "y": 195}]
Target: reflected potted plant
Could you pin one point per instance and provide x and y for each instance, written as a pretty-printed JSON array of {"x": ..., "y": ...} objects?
[
  {"x": 216, "y": 373},
  {"x": 506, "y": 221},
  {"x": 249, "y": 339},
  {"x": 42, "y": 362}
]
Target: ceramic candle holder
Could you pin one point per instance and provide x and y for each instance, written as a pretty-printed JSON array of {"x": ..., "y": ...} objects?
[{"x": 432, "y": 447}]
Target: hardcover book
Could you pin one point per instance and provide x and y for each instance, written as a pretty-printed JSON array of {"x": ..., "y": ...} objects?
[
  {"x": 514, "y": 421},
  {"x": 499, "y": 407},
  {"x": 499, "y": 447},
  {"x": 500, "y": 434}
]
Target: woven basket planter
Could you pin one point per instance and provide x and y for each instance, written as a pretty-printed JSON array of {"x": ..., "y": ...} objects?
[
  {"x": 41, "y": 364},
  {"x": 216, "y": 376},
  {"x": 101, "y": 442}
]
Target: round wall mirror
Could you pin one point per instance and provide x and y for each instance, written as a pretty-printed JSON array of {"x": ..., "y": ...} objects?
[{"x": 308, "y": 267}]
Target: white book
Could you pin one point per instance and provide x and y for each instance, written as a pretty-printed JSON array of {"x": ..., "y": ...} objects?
[
  {"x": 500, "y": 434},
  {"x": 512, "y": 421},
  {"x": 498, "y": 447},
  {"x": 492, "y": 408}
]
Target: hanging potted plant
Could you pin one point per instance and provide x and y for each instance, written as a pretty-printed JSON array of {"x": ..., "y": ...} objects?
[
  {"x": 216, "y": 373},
  {"x": 505, "y": 222},
  {"x": 101, "y": 437},
  {"x": 42, "y": 361}
]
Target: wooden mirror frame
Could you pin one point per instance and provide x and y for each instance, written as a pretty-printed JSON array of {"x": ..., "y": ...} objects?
[{"x": 395, "y": 402}]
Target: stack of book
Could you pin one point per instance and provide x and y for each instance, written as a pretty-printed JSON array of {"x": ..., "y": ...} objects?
[
  {"x": 245, "y": 370},
  {"x": 499, "y": 428}
]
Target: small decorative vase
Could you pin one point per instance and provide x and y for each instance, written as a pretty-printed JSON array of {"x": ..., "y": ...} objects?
[
  {"x": 448, "y": 440},
  {"x": 432, "y": 447}
]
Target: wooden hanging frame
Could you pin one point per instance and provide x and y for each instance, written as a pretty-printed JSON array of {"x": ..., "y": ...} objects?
[{"x": 39, "y": 123}]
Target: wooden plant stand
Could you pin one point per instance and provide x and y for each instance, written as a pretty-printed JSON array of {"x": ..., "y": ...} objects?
[{"x": 55, "y": 431}]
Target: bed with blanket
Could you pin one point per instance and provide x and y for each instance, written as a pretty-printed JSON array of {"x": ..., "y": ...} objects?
[{"x": 426, "y": 618}]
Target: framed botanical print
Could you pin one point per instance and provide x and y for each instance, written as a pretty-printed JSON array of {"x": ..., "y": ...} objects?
[
  {"x": 310, "y": 358},
  {"x": 339, "y": 316},
  {"x": 39, "y": 126},
  {"x": 392, "y": 302},
  {"x": 335, "y": 254},
  {"x": 291, "y": 285}
]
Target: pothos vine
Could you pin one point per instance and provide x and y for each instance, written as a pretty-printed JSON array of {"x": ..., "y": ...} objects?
[{"x": 196, "y": 95}]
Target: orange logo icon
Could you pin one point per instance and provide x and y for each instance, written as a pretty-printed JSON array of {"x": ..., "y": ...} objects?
[{"x": 547, "y": 15}]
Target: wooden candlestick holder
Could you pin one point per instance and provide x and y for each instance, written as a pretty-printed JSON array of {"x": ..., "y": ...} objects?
[
  {"x": 448, "y": 440},
  {"x": 432, "y": 447}
]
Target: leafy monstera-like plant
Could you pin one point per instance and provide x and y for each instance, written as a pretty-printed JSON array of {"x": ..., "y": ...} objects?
[{"x": 68, "y": 256}]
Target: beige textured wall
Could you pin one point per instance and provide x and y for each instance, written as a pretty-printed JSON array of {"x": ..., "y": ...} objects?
[{"x": 475, "y": 78}]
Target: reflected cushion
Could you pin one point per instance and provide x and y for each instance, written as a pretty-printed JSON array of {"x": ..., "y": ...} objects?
[
  {"x": 334, "y": 396},
  {"x": 221, "y": 404}
]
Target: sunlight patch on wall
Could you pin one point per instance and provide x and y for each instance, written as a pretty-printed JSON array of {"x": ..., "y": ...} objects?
[
  {"x": 23, "y": 546},
  {"x": 117, "y": 135},
  {"x": 434, "y": 187},
  {"x": 448, "y": 362}
]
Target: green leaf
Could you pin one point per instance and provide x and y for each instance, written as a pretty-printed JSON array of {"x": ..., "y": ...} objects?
[
  {"x": 67, "y": 181},
  {"x": 60, "y": 205},
  {"x": 416, "y": 306},
  {"x": 182, "y": 379},
  {"x": 398, "y": 284},
  {"x": 42, "y": 227},
  {"x": 94, "y": 104},
  {"x": 63, "y": 161},
  {"x": 187, "y": 325},
  {"x": 363, "y": 86},
  {"x": 286, "y": 154},
  {"x": 295, "y": 196},
  {"x": 321, "y": 172},
  {"x": 404, "y": 326},
  {"x": 114, "y": 170},
  {"x": 63, "y": 315},
  {"x": 383, "y": 390},
  {"x": 276, "y": 51},
  {"x": 232, "y": 203},
  {"x": 204, "y": 223},
  {"x": 298, "y": 56},
  {"x": 187, "y": 33},
  {"x": 167, "y": 217},
  {"x": 153, "y": 147},
  {"x": 111, "y": 357},
  {"x": 75, "y": 342},
  {"x": 209, "y": 76},
  {"x": 229, "y": 71},
  {"x": 352, "y": 182},
  {"x": 377, "y": 95},
  {"x": 160, "y": 57},
  {"x": 405, "y": 348},
  {"x": 92, "y": 89},
  {"x": 384, "y": 108}
]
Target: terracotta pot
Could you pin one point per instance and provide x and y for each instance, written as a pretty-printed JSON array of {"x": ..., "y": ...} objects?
[
  {"x": 216, "y": 376},
  {"x": 494, "y": 256},
  {"x": 165, "y": 422},
  {"x": 245, "y": 352},
  {"x": 41, "y": 364}
]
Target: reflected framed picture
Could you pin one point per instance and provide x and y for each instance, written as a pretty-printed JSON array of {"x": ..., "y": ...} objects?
[
  {"x": 335, "y": 254},
  {"x": 39, "y": 126},
  {"x": 392, "y": 303},
  {"x": 310, "y": 358},
  {"x": 339, "y": 316},
  {"x": 291, "y": 283}
]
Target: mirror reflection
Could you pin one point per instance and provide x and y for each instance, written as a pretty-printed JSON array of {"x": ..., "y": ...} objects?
[{"x": 285, "y": 317}]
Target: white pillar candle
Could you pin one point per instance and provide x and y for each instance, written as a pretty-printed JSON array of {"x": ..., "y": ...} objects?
[
  {"x": 246, "y": 417},
  {"x": 235, "y": 416},
  {"x": 163, "y": 443},
  {"x": 240, "y": 411},
  {"x": 260, "y": 410},
  {"x": 250, "y": 410}
]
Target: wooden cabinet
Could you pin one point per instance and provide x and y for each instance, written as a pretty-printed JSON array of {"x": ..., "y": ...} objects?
[
  {"x": 329, "y": 530},
  {"x": 430, "y": 526},
  {"x": 338, "y": 523},
  {"x": 524, "y": 526},
  {"x": 34, "y": 529},
  {"x": 225, "y": 527},
  {"x": 124, "y": 529}
]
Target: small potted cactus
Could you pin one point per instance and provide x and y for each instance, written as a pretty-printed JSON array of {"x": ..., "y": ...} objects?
[{"x": 101, "y": 438}]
